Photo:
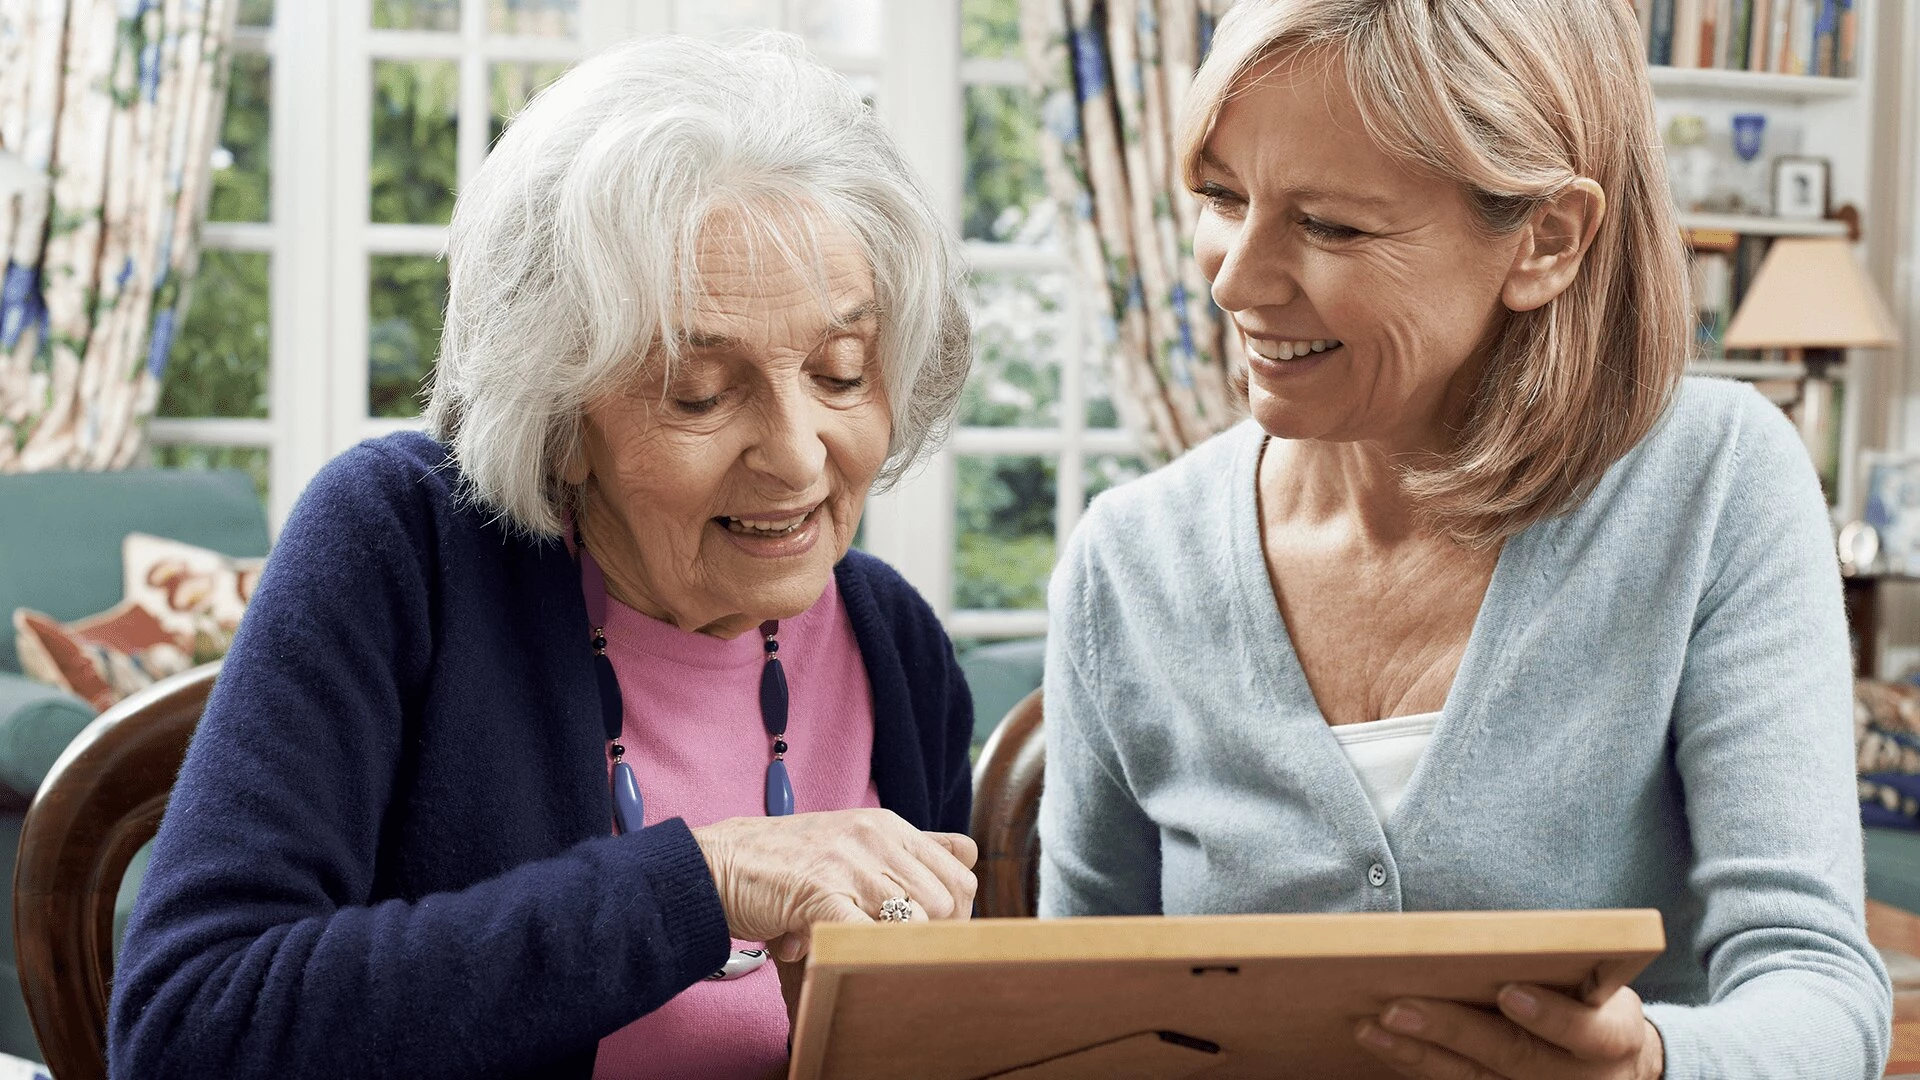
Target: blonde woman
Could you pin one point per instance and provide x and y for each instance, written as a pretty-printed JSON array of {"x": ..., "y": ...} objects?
[{"x": 1487, "y": 606}]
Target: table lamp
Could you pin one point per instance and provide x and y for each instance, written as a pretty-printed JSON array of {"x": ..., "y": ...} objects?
[{"x": 1810, "y": 294}]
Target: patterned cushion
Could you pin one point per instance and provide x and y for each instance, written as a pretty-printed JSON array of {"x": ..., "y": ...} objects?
[
  {"x": 1886, "y": 750},
  {"x": 102, "y": 658},
  {"x": 1886, "y": 727},
  {"x": 181, "y": 606},
  {"x": 198, "y": 595}
]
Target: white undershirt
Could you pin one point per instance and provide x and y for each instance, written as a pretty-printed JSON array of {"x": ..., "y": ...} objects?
[{"x": 1383, "y": 754}]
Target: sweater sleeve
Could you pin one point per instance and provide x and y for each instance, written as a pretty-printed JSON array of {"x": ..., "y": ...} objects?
[
  {"x": 1762, "y": 739},
  {"x": 1099, "y": 851},
  {"x": 955, "y": 807},
  {"x": 257, "y": 948}
]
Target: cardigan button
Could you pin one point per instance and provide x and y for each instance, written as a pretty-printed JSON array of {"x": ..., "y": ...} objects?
[{"x": 1376, "y": 875}]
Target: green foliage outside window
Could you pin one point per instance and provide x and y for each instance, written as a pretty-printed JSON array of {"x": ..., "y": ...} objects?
[
  {"x": 534, "y": 18},
  {"x": 1004, "y": 506},
  {"x": 1018, "y": 323},
  {"x": 1005, "y": 194},
  {"x": 1003, "y": 532},
  {"x": 415, "y": 163},
  {"x": 218, "y": 366},
  {"x": 407, "y": 296},
  {"x": 989, "y": 29},
  {"x": 243, "y": 162},
  {"x": 256, "y": 12},
  {"x": 513, "y": 85},
  {"x": 1100, "y": 410},
  {"x": 416, "y": 14},
  {"x": 219, "y": 361}
]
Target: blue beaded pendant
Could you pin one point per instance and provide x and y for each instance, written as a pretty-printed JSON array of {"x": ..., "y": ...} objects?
[
  {"x": 779, "y": 790},
  {"x": 773, "y": 697},
  {"x": 629, "y": 809}
]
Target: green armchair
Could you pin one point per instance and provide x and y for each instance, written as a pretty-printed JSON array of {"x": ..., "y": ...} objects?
[{"x": 60, "y": 537}]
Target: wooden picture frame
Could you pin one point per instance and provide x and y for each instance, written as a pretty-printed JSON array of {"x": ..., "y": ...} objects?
[
  {"x": 1236, "y": 996},
  {"x": 1802, "y": 187}
]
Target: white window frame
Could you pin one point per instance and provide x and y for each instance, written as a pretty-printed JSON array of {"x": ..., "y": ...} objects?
[
  {"x": 914, "y": 527},
  {"x": 319, "y": 240}
]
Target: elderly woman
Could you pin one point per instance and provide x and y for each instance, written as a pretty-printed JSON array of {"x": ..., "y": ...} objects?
[
  {"x": 1486, "y": 607},
  {"x": 539, "y": 728}
]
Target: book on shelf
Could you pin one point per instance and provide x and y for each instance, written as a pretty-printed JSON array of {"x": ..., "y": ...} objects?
[
  {"x": 1739, "y": 24},
  {"x": 1790, "y": 37},
  {"x": 1656, "y": 25},
  {"x": 1722, "y": 265}
]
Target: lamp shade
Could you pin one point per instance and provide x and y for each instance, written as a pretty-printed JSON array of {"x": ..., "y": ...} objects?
[{"x": 1811, "y": 294}]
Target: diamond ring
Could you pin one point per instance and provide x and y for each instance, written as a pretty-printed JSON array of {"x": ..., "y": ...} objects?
[{"x": 896, "y": 909}]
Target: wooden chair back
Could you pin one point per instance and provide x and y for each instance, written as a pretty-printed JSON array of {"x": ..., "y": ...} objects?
[
  {"x": 1006, "y": 811},
  {"x": 100, "y": 803}
]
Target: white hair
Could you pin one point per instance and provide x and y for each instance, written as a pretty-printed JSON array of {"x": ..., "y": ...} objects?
[{"x": 572, "y": 249}]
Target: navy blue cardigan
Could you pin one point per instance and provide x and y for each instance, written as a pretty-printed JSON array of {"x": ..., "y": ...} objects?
[{"x": 388, "y": 854}]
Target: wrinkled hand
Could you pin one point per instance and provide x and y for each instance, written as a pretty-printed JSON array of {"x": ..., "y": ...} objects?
[
  {"x": 779, "y": 876},
  {"x": 1537, "y": 1035}
]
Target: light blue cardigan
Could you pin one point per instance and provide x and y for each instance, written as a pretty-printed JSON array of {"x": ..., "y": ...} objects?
[{"x": 1654, "y": 710}]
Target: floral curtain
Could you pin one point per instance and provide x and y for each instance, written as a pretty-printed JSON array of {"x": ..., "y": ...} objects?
[
  {"x": 116, "y": 104},
  {"x": 1111, "y": 75}
]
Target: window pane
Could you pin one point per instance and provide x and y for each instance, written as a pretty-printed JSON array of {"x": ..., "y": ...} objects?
[
  {"x": 513, "y": 86},
  {"x": 256, "y": 12},
  {"x": 407, "y": 297},
  {"x": 416, "y": 14},
  {"x": 1006, "y": 192},
  {"x": 1108, "y": 471},
  {"x": 990, "y": 28},
  {"x": 243, "y": 162},
  {"x": 534, "y": 18},
  {"x": 219, "y": 362},
  {"x": 254, "y": 459},
  {"x": 1003, "y": 532},
  {"x": 708, "y": 17},
  {"x": 1018, "y": 330},
  {"x": 415, "y": 141},
  {"x": 1100, "y": 411},
  {"x": 843, "y": 27}
]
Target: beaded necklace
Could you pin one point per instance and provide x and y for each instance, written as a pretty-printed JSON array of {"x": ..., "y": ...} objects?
[{"x": 629, "y": 805}]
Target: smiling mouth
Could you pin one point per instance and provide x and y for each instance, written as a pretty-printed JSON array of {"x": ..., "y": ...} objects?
[
  {"x": 1290, "y": 350},
  {"x": 780, "y": 526}
]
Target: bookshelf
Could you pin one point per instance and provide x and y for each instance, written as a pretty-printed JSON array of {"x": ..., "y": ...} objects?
[
  {"x": 1756, "y": 370},
  {"x": 1808, "y": 71},
  {"x": 1759, "y": 225},
  {"x": 1751, "y": 86}
]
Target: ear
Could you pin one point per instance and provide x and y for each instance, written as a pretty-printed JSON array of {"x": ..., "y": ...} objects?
[{"x": 1553, "y": 245}]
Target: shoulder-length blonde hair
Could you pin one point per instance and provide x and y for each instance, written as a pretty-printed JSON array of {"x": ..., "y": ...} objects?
[{"x": 1512, "y": 100}]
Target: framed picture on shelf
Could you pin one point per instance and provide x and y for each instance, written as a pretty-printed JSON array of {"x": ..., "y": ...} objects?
[
  {"x": 1800, "y": 188},
  {"x": 1893, "y": 507}
]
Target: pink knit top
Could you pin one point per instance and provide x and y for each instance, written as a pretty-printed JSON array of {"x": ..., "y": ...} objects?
[{"x": 694, "y": 737}]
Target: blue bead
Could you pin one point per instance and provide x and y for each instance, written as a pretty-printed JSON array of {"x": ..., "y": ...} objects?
[
  {"x": 629, "y": 809},
  {"x": 610, "y": 709},
  {"x": 779, "y": 790},
  {"x": 773, "y": 697}
]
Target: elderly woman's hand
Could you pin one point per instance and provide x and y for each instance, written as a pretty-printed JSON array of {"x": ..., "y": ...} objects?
[
  {"x": 778, "y": 876},
  {"x": 1537, "y": 1035}
]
